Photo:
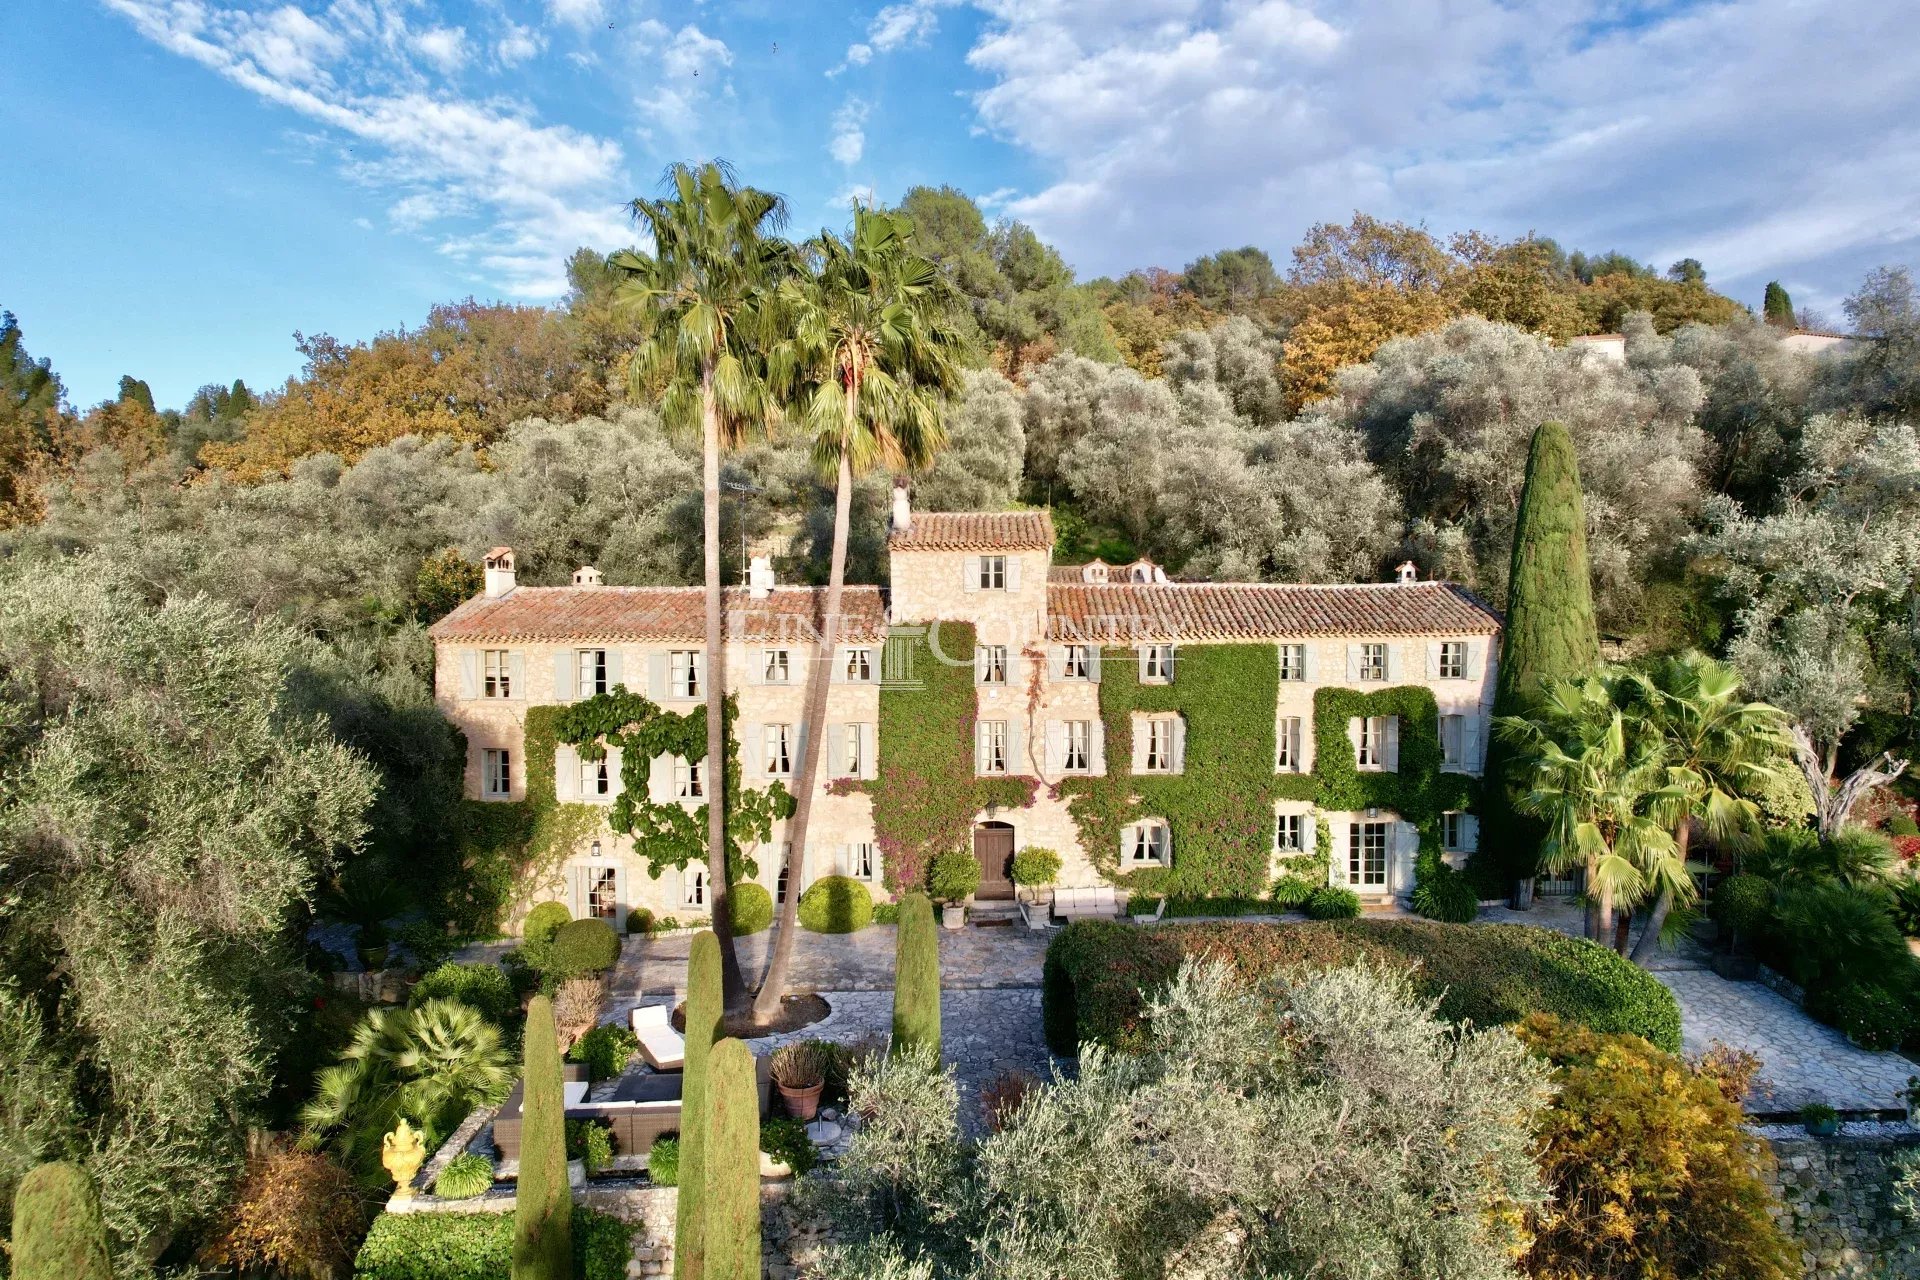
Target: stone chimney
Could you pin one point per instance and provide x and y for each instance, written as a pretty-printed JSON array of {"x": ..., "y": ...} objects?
[
  {"x": 902, "y": 508},
  {"x": 1407, "y": 571},
  {"x": 760, "y": 578},
  {"x": 587, "y": 576},
  {"x": 499, "y": 565}
]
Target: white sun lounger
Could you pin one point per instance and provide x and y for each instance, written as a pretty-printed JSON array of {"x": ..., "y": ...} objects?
[{"x": 660, "y": 1044}]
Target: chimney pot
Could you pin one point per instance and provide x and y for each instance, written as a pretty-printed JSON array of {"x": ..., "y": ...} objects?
[
  {"x": 902, "y": 507},
  {"x": 760, "y": 578},
  {"x": 587, "y": 576},
  {"x": 1408, "y": 572},
  {"x": 499, "y": 572}
]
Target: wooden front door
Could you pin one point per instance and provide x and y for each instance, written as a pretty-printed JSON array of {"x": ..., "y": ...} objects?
[{"x": 993, "y": 849}]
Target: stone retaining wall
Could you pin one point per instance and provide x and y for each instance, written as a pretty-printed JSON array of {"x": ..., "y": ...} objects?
[{"x": 1835, "y": 1199}]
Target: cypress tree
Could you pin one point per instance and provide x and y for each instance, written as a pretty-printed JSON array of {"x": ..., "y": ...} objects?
[
  {"x": 732, "y": 1165},
  {"x": 916, "y": 977},
  {"x": 705, "y": 1009},
  {"x": 543, "y": 1210},
  {"x": 1778, "y": 308},
  {"x": 58, "y": 1233},
  {"x": 1550, "y": 633}
]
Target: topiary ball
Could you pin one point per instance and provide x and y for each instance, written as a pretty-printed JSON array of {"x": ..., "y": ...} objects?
[
  {"x": 1331, "y": 903},
  {"x": 544, "y": 921},
  {"x": 467, "y": 1175},
  {"x": 583, "y": 946},
  {"x": 751, "y": 907},
  {"x": 1743, "y": 903},
  {"x": 639, "y": 920},
  {"x": 836, "y": 904},
  {"x": 952, "y": 876}
]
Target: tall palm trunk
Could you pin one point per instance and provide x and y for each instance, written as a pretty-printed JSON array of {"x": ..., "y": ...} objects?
[
  {"x": 733, "y": 987},
  {"x": 1593, "y": 900},
  {"x": 1663, "y": 905}
]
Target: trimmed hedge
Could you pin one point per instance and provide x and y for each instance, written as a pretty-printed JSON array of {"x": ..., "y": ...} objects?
[
  {"x": 583, "y": 946},
  {"x": 479, "y": 1246},
  {"x": 751, "y": 907},
  {"x": 836, "y": 904},
  {"x": 544, "y": 921},
  {"x": 1097, "y": 971},
  {"x": 484, "y": 988}
]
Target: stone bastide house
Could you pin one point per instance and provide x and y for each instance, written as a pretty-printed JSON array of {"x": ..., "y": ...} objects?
[{"x": 1188, "y": 737}]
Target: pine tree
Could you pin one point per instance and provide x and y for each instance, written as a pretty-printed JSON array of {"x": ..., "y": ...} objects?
[
  {"x": 1550, "y": 632},
  {"x": 135, "y": 391},
  {"x": 543, "y": 1212},
  {"x": 705, "y": 1008},
  {"x": 239, "y": 401},
  {"x": 1778, "y": 307},
  {"x": 731, "y": 1173},
  {"x": 58, "y": 1233},
  {"x": 916, "y": 977}
]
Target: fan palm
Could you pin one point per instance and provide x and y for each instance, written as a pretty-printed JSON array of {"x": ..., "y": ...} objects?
[
  {"x": 1596, "y": 783},
  {"x": 703, "y": 303},
  {"x": 870, "y": 360},
  {"x": 430, "y": 1064},
  {"x": 1717, "y": 749}
]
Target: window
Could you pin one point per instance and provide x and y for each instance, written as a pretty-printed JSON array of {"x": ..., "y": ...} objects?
[
  {"x": 696, "y": 894},
  {"x": 687, "y": 781},
  {"x": 591, "y": 669},
  {"x": 1146, "y": 844},
  {"x": 990, "y": 746},
  {"x": 779, "y": 750},
  {"x": 1160, "y": 735},
  {"x": 1456, "y": 831},
  {"x": 1453, "y": 741},
  {"x": 1371, "y": 751},
  {"x": 596, "y": 778},
  {"x": 1453, "y": 659},
  {"x": 861, "y": 861},
  {"x": 1291, "y": 760},
  {"x": 1156, "y": 663},
  {"x": 1367, "y": 855},
  {"x": 1290, "y": 834},
  {"x": 990, "y": 664},
  {"x": 602, "y": 892},
  {"x": 852, "y": 739},
  {"x": 1077, "y": 750},
  {"x": 993, "y": 573},
  {"x": 1076, "y": 662},
  {"x": 778, "y": 667},
  {"x": 496, "y": 774},
  {"x": 860, "y": 665},
  {"x": 1373, "y": 662},
  {"x": 780, "y": 885},
  {"x": 683, "y": 673},
  {"x": 1293, "y": 662},
  {"x": 499, "y": 669}
]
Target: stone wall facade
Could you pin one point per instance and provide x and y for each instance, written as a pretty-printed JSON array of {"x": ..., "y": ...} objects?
[{"x": 1835, "y": 1198}]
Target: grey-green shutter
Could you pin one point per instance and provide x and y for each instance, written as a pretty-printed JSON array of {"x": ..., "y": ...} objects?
[
  {"x": 469, "y": 673},
  {"x": 657, "y": 675},
  {"x": 565, "y": 666},
  {"x": 517, "y": 672},
  {"x": 616, "y": 670}
]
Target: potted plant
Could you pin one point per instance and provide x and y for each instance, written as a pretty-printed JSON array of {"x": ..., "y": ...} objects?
[
  {"x": 1820, "y": 1120},
  {"x": 799, "y": 1072},
  {"x": 1034, "y": 868},
  {"x": 1742, "y": 904},
  {"x": 951, "y": 880}
]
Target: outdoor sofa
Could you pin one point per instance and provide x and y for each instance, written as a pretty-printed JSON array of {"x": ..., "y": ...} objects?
[{"x": 642, "y": 1108}]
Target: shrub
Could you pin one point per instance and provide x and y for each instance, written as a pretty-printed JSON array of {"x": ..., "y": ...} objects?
[
  {"x": 663, "y": 1161},
  {"x": 953, "y": 876},
  {"x": 750, "y": 907},
  {"x": 295, "y": 1213},
  {"x": 544, "y": 921},
  {"x": 1034, "y": 865},
  {"x": 732, "y": 1159},
  {"x": 1902, "y": 823},
  {"x": 1002, "y": 1096},
  {"x": 836, "y": 904},
  {"x": 1874, "y": 1015},
  {"x": 916, "y": 978},
  {"x": 479, "y": 1246},
  {"x": 596, "y": 1146},
  {"x": 1097, "y": 972},
  {"x": 1442, "y": 893},
  {"x": 1639, "y": 1141},
  {"x": 542, "y": 1246},
  {"x": 58, "y": 1233},
  {"x": 801, "y": 1064},
  {"x": 639, "y": 920},
  {"x": 1829, "y": 934},
  {"x": 705, "y": 1008},
  {"x": 467, "y": 1175},
  {"x": 786, "y": 1140},
  {"x": 605, "y": 1050},
  {"x": 886, "y": 913},
  {"x": 576, "y": 1002},
  {"x": 582, "y": 946},
  {"x": 481, "y": 987},
  {"x": 1742, "y": 904},
  {"x": 1291, "y": 891},
  {"x": 1330, "y": 902}
]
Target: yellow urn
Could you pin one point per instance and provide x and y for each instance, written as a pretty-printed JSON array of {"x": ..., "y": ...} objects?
[{"x": 403, "y": 1152}]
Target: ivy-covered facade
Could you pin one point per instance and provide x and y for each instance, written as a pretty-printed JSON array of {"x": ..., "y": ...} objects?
[{"x": 1193, "y": 739}]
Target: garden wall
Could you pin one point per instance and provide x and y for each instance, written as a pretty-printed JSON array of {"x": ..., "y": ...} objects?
[{"x": 1834, "y": 1198}]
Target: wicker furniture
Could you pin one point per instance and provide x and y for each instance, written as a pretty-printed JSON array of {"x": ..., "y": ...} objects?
[
  {"x": 642, "y": 1108},
  {"x": 1092, "y": 902}
]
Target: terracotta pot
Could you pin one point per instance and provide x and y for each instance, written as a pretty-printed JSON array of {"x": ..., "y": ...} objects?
[{"x": 801, "y": 1103}]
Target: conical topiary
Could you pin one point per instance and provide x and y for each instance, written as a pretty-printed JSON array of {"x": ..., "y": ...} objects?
[
  {"x": 916, "y": 977},
  {"x": 1550, "y": 632},
  {"x": 705, "y": 1009},
  {"x": 732, "y": 1166},
  {"x": 543, "y": 1210},
  {"x": 58, "y": 1233}
]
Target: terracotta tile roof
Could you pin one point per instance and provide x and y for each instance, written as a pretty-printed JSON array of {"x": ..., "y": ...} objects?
[
  {"x": 975, "y": 531},
  {"x": 655, "y": 613},
  {"x": 1199, "y": 611}
]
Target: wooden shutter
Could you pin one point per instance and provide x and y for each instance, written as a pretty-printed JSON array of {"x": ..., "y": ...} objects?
[
  {"x": 869, "y": 751},
  {"x": 1433, "y": 659},
  {"x": 1179, "y": 744},
  {"x": 970, "y": 574},
  {"x": 469, "y": 673},
  {"x": 1013, "y": 573},
  {"x": 1055, "y": 747},
  {"x": 565, "y": 667},
  {"x": 1016, "y": 747},
  {"x": 756, "y": 666},
  {"x": 1476, "y": 658},
  {"x": 1353, "y": 663},
  {"x": 1312, "y": 665},
  {"x": 836, "y": 750},
  {"x": 1098, "y": 752},
  {"x": 753, "y": 750},
  {"x": 979, "y": 746},
  {"x": 577, "y": 890},
  {"x": 1393, "y": 663},
  {"x": 660, "y": 779},
  {"x": 1093, "y": 663},
  {"x": 797, "y": 749},
  {"x": 1470, "y": 743},
  {"x": 1056, "y": 663},
  {"x": 1470, "y": 833},
  {"x": 566, "y": 773},
  {"x": 1392, "y": 756},
  {"x": 1144, "y": 651},
  {"x": 1353, "y": 737},
  {"x": 657, "y": 675},
  {"x": 1139, "y": 745},
  {"x": 517, "y": 672},
  {"x": 616, "y": 670},
  {"x": 616, "y": 760}
]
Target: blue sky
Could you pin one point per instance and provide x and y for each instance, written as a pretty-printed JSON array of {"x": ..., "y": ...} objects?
[{"x": 191, "y": 181}]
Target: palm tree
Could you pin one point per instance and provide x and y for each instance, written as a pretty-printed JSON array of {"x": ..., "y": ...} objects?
[
  {"x": 1717, "y": 749},
  {"x": 1596, "y": 783},
  {"x": 703, "y": 301},
  {"x": 871, "y": 359}
]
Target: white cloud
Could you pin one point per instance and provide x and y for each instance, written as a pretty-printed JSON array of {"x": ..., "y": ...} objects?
[
  {"x": 576, "y": 13},
  {"x": 692, "y": 71},
  {"x": 909, "y": 22},
  {"x": 849, "y": 141},
  {"x": 444, "y": 47},
  {"x": 517, "y": 44},
  {"x": 535, "y": 191}
]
